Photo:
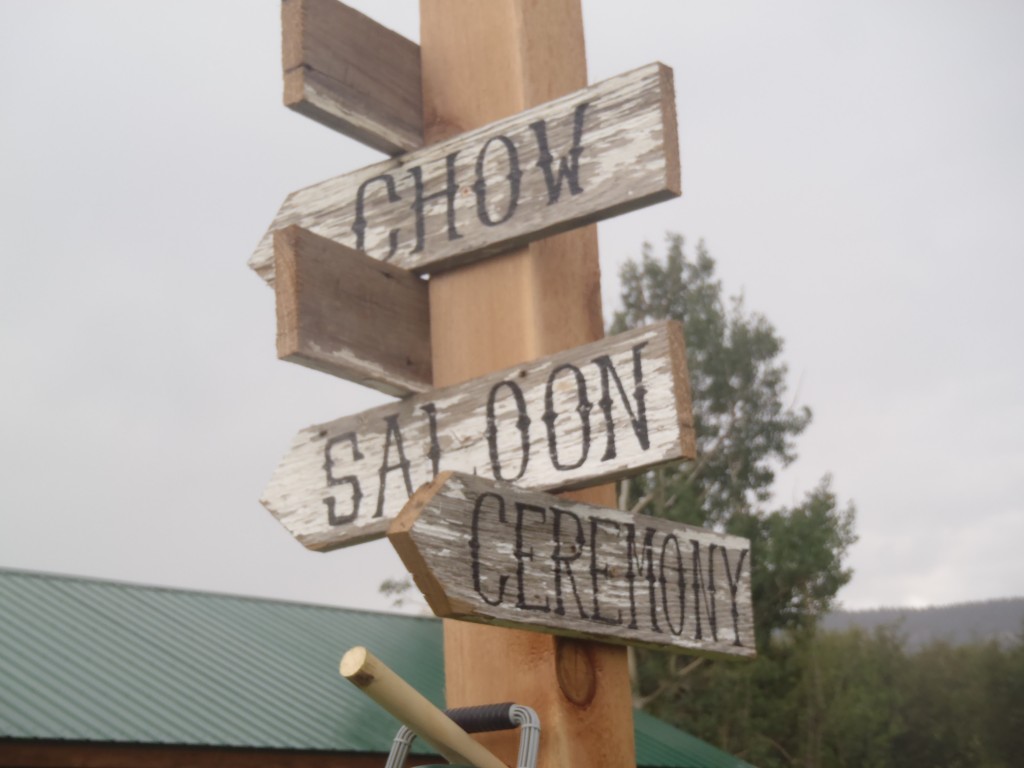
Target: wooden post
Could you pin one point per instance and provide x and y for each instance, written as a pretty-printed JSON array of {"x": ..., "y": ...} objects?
[{"x": 480, "y": 62}]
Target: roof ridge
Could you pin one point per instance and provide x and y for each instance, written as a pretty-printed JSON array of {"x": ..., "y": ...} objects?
[
  {"x": 122, "y": 584},
  {"x": 95, "y": 659}
]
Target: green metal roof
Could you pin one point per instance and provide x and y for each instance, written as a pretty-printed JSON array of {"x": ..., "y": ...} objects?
[{"x": 99, "y": 661}]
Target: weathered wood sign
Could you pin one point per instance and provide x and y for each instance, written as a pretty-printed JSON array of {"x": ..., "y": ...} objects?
[
  {"x": 495, "y": 554},
  {"x": 601, "y": 151},
  {"x": 348, "y": 72},
  {"x": 341, "y": 312},
  {"x": 597, "y": 412}
]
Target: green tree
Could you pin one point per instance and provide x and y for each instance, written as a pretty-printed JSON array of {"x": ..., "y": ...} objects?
[
  {"x": 745, "y": 432},
  {"x": 946, "y": 707},
  {"x": 797, "y": 558},
  {"x": 861, "y": 699},
  {"x": 1002, "y": 673},
  {"x": 738, "y": 384}
]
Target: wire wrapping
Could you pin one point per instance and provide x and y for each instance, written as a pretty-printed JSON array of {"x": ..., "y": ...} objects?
[{"x": 486, "y": 717}]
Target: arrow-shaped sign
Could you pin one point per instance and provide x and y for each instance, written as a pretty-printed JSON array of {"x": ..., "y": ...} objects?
[
  {"x": 494, "y": 554},
  {"x": 594, "y": 413},
  {"x": 595, "y": 153}
]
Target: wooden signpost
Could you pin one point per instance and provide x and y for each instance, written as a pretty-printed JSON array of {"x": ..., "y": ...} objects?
[
  {"x": 588, "y": 415},
  {"x": 601, "y": 151},
  {"x": 495, "y": 554},
  {"x": 515, "y": 148}
]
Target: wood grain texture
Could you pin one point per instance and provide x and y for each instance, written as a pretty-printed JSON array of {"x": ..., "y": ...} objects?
[
  {"x": 596, "y": 153},
  {"x": 343, "y": 313},
  {"x": 592, "y": 414},
  {"x": 501, "y": 57},
  {"x": 353, "y": 75},
  {"x": 491, "y": 553}
]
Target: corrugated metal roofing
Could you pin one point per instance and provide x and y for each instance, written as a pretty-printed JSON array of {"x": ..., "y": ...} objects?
[
  {"x": 100, "y": 661},
  {"x": 660, "y": 744}
]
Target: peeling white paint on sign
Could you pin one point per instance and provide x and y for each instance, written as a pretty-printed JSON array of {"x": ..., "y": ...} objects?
[
  {"x": 604, "y": 150},
  {"x": 589, "y": 415}
]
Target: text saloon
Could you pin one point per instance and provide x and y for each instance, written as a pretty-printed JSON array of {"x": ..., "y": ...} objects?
[
  {"x": 601, "y": 151},
  {"x": 591, "y": 414},
  {"x": 494, "y": 554}
]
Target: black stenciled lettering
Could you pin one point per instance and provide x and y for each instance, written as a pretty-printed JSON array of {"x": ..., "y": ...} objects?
[
  {"x": 474, "y": 547},
  {"x": 734, "y": 583},
  {"x": 637, "y": 418},
  {"x": 419, "y": 204},
  {"x": 522, "y": 555},
  {"x": 522, "y": 424},
  {"x": 329, "y": 462},
  {"x": 393, "y": 435},
  {"x": 701, "y": 589},
  {"x": 434, "y": 453},
  {"x": 513, "y": 177},
  {"x": 680, "y": 583},
  {"x": 359, "y": 227},
  {"x": 562, "y": 561},
  {"x": 596, "y": 571},
  {"x": 635, "y": 568},
  {"x": 333, "y": 518},
  {"x": 568, "y": 167},
  {"x": 583, "y": 408}
]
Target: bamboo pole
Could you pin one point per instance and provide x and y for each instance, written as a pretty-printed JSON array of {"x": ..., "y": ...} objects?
[{"x": 407, "y": 705}]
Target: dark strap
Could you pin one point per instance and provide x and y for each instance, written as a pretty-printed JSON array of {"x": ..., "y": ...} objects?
[{"x": 485, "y": 717}]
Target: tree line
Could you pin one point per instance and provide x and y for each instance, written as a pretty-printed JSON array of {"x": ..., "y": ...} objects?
[
  {"x": 827, "y": 699},
  {"x": 812, "y": 698}
]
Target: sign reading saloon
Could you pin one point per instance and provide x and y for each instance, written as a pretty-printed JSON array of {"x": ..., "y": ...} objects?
[
  {"x": 591, "y": 414},
  {"x": 601, "y": 151},
  {"x": 494, "y": 554}
]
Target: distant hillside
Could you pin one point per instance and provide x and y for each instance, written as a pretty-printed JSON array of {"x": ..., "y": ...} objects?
[{"x": 1001, "y": 620}]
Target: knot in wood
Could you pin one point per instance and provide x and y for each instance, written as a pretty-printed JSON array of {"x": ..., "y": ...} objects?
[{"x": 574, "y": 666}]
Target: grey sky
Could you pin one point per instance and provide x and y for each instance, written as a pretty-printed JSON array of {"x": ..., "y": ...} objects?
[{"x": 857, "y": 170}]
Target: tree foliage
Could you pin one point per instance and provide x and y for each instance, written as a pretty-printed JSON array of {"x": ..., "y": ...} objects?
[
  {"x": 738, "y": 383},
  {"x": 811, "y": 698},
  {"x": 861, "y": 699},
  {"x": 745, "y": 431},
  {"x": 797, "y": 558}
]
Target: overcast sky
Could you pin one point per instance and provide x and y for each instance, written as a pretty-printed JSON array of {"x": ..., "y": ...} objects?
[{"x": 856, "y": 168}]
